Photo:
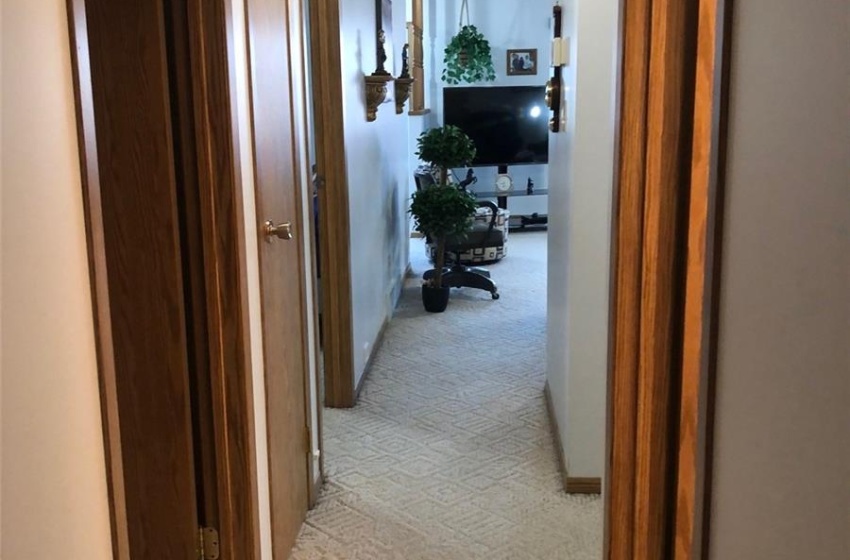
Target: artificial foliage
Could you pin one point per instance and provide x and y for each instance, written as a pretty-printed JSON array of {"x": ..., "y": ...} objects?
[
  {"x": 442, "y": 212},
  {"x": 445, "y": 147},
  {"x": 468, "y": 58}
]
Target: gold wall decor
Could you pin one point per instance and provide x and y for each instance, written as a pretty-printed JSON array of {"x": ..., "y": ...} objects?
[
  {"x": 402, "y": 93},
  {"x": 555, "y": 99},
  {"x": 376, "y": 93}
]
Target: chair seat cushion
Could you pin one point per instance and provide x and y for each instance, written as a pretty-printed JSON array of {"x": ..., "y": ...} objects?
[
  {"x": 478, "y": 237},
  {"x": 496, "y": 247}
]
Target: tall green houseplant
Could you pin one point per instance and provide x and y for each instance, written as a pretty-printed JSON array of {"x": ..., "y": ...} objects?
[
  {"x": 468, "y": 58},
  {"x": 445, "y": 147},
  {"x": 443, "y": 211}
]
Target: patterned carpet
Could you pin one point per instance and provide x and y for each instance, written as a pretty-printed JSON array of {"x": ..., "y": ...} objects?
[{"x": 449, "y": 454}]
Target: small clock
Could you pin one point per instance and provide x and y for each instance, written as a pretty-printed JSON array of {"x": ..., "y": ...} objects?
[{"x": 504, "y": 183}]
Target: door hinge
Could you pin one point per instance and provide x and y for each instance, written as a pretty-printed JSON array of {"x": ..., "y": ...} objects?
[{"x": 208, "y": 544}]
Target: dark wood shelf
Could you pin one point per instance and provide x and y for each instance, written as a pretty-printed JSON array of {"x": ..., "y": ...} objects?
[{"x": 518, "y": 192}]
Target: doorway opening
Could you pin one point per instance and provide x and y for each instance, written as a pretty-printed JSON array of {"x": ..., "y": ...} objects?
[
  {"x": 139, "y": 210},
  {"x": 446, "y": 394}
]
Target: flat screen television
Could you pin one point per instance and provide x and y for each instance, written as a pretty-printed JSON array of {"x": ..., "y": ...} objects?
[{"x": 509, "y": 125}]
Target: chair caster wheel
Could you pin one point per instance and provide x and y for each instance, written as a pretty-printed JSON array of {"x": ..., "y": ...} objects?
[{"x": 495, "y": 295}]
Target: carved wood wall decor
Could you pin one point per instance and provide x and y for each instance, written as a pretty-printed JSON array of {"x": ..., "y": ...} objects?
[{"x": 376, "y": 93}]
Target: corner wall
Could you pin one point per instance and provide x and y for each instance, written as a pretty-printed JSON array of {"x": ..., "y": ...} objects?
[
  {"x": 580, "y": 201},
  {"x": 378, "y": 179},
  {"x": 782, "y": 427},
  {"x": 54, "y": 491}
]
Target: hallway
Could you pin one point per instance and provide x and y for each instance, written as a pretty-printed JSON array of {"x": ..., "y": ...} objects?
[{"x": 449, "y": 453}]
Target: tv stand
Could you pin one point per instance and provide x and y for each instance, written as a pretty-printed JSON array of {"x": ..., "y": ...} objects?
[
  {"x": 533, "y": 220},
  {"x": 518, "y": 222}
]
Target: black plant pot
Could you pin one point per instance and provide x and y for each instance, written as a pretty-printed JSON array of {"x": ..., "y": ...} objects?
[{"x": 435, "y": 299}]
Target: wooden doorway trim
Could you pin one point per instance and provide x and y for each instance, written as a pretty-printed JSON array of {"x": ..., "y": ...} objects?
[
  {"x": 334, "y": 219},
  {"x": 702, "y": 281},
  {"x": 220, "y": 209},
  {"x": 671, "y": 109}
]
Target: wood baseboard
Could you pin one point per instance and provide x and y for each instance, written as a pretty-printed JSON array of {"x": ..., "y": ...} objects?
[
  {"x": 572, "y": 485},
  {"x": 583, "y": 485}
]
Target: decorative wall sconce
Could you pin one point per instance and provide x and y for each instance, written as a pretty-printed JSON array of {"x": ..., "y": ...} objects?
[
  {"x": 555, "y": 98},
  {"x": 402, "y": 93},
  {"x": 376, "y": 93},
  {"x": 403, "y": 82}
]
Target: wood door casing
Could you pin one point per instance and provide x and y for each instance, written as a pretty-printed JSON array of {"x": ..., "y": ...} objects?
[
  {"x": 334, "y": 220},
  {"x": 670, "y": 136},
  {"x": 281, "y": 269},
  {"x": 212, "y": 38},
  {"x": 194, "y": 273},
  {"x": 626, "y": 258},
  {"x": 131, "y": 207},
  {"x": 699, "y": 354},
  {"x": 157, "y": 130}
]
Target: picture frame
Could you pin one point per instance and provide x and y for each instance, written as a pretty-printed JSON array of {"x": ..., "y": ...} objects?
[{"x": 521, "y": 62}]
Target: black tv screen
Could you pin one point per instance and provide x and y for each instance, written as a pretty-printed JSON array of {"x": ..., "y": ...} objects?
[{"x": 509, "y": 125}]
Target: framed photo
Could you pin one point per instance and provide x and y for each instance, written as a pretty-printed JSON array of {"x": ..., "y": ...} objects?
[{"x": 522, "y": 62}]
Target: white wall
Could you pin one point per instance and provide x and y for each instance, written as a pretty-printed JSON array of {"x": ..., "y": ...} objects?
[
  {"x": 378, "y": 178},
  {"x": 54, "y": 474},
  {"x": 507, "y": 24},
  {"x": 782, "y": 453},
  {"x": 580, "y": 197}
]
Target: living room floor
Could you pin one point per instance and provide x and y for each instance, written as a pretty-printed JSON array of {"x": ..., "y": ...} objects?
[{"x": 449, "y": 453}]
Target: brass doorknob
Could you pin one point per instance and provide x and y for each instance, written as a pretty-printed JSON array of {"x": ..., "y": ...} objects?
[{"x": 281, "y": 231}]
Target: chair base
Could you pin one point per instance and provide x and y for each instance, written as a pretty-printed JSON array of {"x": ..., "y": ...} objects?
[
  {"x": 482, "y": 271},
  {"x": 460, "y": 276}
]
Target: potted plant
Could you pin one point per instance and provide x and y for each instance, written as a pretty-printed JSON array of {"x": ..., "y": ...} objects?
[
  {"x": 442, "y": 211},
  {"x": 445, "y": 147},
  {"x": 468, "y": 58}
]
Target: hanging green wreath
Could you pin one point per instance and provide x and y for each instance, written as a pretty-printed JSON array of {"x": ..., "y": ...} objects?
[{"x": 468, "y": 58}]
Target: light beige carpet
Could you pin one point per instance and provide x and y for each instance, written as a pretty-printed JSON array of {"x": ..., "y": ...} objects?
[{"x": 449, "y": 453}]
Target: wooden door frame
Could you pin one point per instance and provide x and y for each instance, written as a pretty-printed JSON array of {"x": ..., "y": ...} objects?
[
  {"x": 226, "y": 276},
  {"x": 334, "y": 218},
  {"x": 672, "y": 107},
  {"x": 302, "y": 137}
]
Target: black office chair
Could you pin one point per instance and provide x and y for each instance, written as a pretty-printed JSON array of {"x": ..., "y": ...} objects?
[{"x": 482, "y": 235}]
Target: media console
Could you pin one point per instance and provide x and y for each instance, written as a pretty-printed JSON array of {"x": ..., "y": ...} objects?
[{"x": 520, "y": 221}]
